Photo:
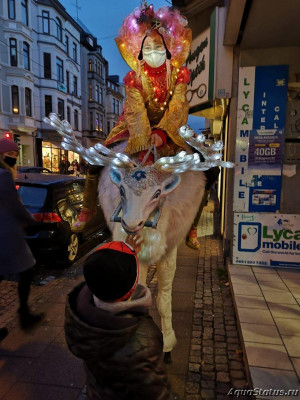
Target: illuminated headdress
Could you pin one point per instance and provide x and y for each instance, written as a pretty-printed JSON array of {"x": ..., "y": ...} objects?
[{"x": 168, "y": 23}]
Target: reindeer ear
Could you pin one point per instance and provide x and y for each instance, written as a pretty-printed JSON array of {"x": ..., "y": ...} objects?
[
  {"x": 115, "y": 176},
  {"x": 170, "y": 184}
]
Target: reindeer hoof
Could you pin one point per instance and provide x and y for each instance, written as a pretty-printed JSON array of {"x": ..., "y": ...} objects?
[{"x": 168, "y": 358}]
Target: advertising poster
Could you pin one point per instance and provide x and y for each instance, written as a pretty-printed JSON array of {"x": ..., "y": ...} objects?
[
  {"x": 266, "y": 239},
  {"x": 260, "y": 138}
]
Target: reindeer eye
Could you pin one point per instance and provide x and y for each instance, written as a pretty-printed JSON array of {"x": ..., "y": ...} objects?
[
  {"x": 157, "y": 194},
  {"x": 122, "y": 191}
]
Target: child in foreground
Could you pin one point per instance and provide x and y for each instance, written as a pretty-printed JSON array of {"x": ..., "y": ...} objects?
[{"x": 109, "y": 327}]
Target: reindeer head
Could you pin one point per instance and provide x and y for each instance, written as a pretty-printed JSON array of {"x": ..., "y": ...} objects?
[{"x": 142, "y": 191}]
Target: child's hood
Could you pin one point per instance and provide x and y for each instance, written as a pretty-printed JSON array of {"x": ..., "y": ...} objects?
[{"x": 96, "y": 332}]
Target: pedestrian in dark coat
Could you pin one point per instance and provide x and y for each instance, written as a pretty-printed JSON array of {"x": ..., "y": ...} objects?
[
  {"x": 109, "y": 327},
  {"x": 15, "y": 255}
]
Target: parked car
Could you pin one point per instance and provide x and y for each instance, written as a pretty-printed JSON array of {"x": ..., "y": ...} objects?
[
  {"x": 55, "y": 201},
  {"x": 33, "y": 170}
]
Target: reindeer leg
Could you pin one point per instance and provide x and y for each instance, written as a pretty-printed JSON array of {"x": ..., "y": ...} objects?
[{"x": 165, "y": 274}]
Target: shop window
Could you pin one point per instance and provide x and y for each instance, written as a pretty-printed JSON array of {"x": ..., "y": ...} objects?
[
  {"x": 69, "y": 114},
  {"x": 75, "y": 85},
  {"x": 76, "y": 120},
  {"x": 13, "y": 52},
  {"x": 46, "y": 22},
  {"x": 26, "y": 56},
  {"x": 90, "y": 65},
  {"x": 47, "y": 65},
  {"x": 67, "y": 44},
  {"x": 15, "y": 99},
  {"x": 24, "y": 7},
  {"x": 74, "y": 51},
  {"x": 11, "y": 9},
  {"x": 50, "y": 156},
  {"x": 61, "y": 108},
  {"x": 28, "y": 110},
  {"x": 59, "y": 70},
  {"x": 58, "y": 29},
  {"x": 48, "y": 105},
  {"x": 68, "y": 81}
]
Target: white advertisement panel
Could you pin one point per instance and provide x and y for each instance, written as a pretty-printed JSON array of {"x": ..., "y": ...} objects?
[
  {"x": 266, "y": 239},
  {"x": 198, "y": 64}
]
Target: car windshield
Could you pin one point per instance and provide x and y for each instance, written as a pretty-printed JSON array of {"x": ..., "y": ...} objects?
[{"x": 32, "y": 196}]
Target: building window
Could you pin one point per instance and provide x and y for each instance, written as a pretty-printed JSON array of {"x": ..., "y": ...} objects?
[
  {"x": 69, "y": 114},
  {"x": 48, "y": 105},
  {"x": 90, "y": 65},
  {"x": 101, "y": 70},
  {"x": 108, "y": 126},
  {"x": 61, "y": 108},
  {"x": 101, "y": 122},
  {"x": 47, "y": 65},
  {"x": 75, "y": 120},
  {"x": 15, "y": 99},
  {"x": 11, "y": 9},
  {"x": 75, "y": 86},
  {"x": 67, "y": 44},
  {"x": 13, "y": 52},
  {"x": 59, "y": 70},
  {"x": 97, "y": 94},
  {"x": 90, "y": 92},
  {"x": 24, "y": 5},
  {"x": 26, "y": 56},
  {"x": 46, "y": 22},
  {"x": 97, "y": 122},
  {"x": 118, "y": 107},
  {"x": 68, "y": 81},
  {"x": 91, "y": 121},
  {"x": 28, "y": 112},
  {"x": 101, "y": 96},
  {"x": 114, "y": 105},
  {"x": 58, "y": 29},
  {"x": 74, "y": 51}
]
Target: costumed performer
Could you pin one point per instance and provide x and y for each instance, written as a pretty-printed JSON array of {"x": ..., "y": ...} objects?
[{"x": 155, "y": 45}]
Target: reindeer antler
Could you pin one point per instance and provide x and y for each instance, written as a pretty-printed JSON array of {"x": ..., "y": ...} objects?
[
  {"x": 191, "y": 162},
  {"x": 97, "y": 155}
]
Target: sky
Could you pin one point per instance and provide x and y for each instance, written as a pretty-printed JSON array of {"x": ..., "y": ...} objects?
[{"x": 104, "y": 18}]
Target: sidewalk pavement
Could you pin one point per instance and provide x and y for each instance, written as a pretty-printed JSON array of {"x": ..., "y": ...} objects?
[
  {"x": 267, "y": 301},
  {"x": 207, "y": 361}
]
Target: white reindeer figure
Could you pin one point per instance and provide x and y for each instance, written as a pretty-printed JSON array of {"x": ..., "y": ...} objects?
[{"x": 148, "y": 192}]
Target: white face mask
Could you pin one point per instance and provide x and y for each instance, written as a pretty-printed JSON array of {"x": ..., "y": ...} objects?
[{"x": 155, "y": 58}]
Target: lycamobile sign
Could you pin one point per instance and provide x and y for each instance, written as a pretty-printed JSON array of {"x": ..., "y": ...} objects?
[
  {"x": 277, "y": 236},
  {"x": 267, "y": 239}
]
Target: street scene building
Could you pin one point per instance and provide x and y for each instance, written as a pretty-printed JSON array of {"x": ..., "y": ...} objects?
[{"x": 51, "y": 63}]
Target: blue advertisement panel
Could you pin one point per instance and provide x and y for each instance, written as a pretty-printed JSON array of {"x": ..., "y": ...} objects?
[
  {"x": 266, "y": 138},
  {"x": 264, "y": 169}
]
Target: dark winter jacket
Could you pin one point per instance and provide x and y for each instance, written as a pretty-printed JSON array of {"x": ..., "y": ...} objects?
[
  {"x": 15, "y": 255},
  {"x": 120, "y": 345}
]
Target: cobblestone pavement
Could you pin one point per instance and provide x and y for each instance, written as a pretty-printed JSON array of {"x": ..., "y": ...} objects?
[{"x": 207, "y": 362}]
